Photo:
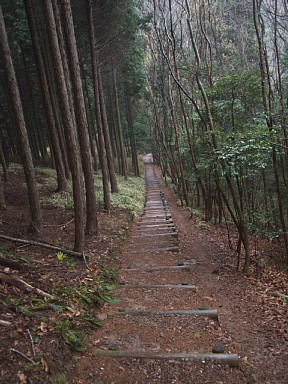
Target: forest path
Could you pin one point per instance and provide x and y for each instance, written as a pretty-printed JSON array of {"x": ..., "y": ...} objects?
[{"x": 167, "y": 323}]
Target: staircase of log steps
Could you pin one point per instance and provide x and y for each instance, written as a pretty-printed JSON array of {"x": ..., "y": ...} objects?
[{"x": 154, "y": 287}]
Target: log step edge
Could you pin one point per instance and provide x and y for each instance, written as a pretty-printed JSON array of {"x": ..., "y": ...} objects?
[
  {"x": 233, "y": 360},
  {"x": 211, "y": 313}
]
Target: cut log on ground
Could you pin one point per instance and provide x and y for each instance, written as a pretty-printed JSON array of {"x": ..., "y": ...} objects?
[
  {"x": 10, "y": 263},
  {"x": 21, "y": 284},
  {"x": 44, "y": 245}
]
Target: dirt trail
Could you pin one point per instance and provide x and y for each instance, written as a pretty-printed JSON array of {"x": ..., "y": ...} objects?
[{"x": 177, "y": 305}]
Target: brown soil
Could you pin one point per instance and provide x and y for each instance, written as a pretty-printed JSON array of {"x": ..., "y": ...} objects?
[
  {"x": 253, "y": 323},
  {"x": 42, "y": 269}
]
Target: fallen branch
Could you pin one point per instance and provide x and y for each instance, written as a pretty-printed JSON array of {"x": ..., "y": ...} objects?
[
  {"x": 21, "y": 284},
  {"x": 32, "y": 342},
  {"x": 25, "y": 357},
  {"x": 10, "y": 263},
  {"x": 278, "y": 294},
  {"x": 43, "y": 245},
  {"x": 5, "y": 323}
]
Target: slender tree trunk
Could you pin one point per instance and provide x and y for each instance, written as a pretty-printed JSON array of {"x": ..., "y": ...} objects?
[
  {"x": 124, "y": 171},
  {"x": 177, "y": 145},
  {"x": 51, "y": 78},
  {"x": 102, "y": 151},
  {"x": 81, "y": 120},
  {"x": 51, "y": 124},
  {"x": 132, "y": 137},
  {"x": 2, "y": 196},
  {"x": 3, "y": 161},
  {"x": 39, "y": 133},
  {"x": 70, "y": 133},
  {"x": 91, "y": 125},
  {"x": 114, "y": 135},
  {"x": 34, "y": 202},
  {"x": 108, "y": 146}
]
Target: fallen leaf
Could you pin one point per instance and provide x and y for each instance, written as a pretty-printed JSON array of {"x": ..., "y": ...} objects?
[
  {"x": 102, "y": 316},
  {"x": 45, "y": 364},
  {"x": 22, "y": 378}
]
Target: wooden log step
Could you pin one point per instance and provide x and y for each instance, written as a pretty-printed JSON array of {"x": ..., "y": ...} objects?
[
  {"x": 161, "y": 214},
  {"x": 157, "y": 210},
  {"x": 157, "y": 235},
  {"x": 231, "y": 359},
  {"x": 148, "y": 269},
  {"x": 155, "y": 229},
  {"x": 151, "y": 218},
  {"x": 149, "y": 250},
  {"x": 158, "y": 215},
  {"x": 152, "y": 231},
  {"x": 187, "y": 262},
  {"x": 157, "y": 196},
  {"x": 143, "y": 220},
  {"x": 145, "y": 230},
  {"x": 141, "y": 247},
  {"x": 165, "y": 242},
  {"x": 141, "y": 239},
  {"x": 143, "y": 217},
  {"x": 169, "y": 240},
  {"x": 211, "y": 313},
  {"x": 156, "y": 203},
  {"x": 154, "y": 207},
  {"x": 157, "y": 286},
  {"x": 161, "y": 224},
  {"x": 154, "y": 225}
]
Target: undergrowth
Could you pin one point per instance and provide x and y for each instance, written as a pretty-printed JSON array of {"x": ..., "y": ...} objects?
[
  {"x": 76, "y": 304},
  {"x": 129, "y": 198},
  {"x": 73, "y": 308}
]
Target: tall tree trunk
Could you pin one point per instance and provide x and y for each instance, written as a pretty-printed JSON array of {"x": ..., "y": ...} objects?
[
  {"x": 81, "y": 120},
  {"x": 2, "y": 156},
  {"x": 124, "y": 171},
  {"x": 177, "y": 145},
  {"x": 114, "y": 134},
  {"x": 38, "y": 133},
  {"x": 108, "y": 146},
  {"x": 34, "y": 202},
  {"x": 91, "y": 125},
  {"x": 51, "y": 124},
  {"x": 69, "y": 128},
  {"x": 102, "y": 152},
  {"x": 132, "y": 136}
]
